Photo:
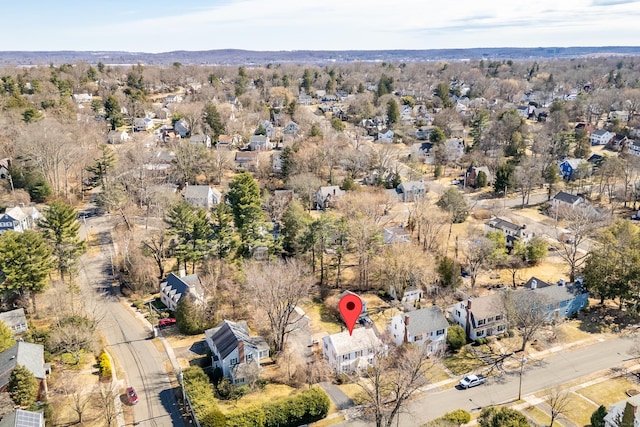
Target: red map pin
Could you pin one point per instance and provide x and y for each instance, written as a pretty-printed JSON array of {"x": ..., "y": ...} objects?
[{"x": 350, "y": 307}]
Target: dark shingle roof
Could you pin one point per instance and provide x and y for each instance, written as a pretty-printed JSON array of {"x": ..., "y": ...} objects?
[
  {"x": 227, "y": 334},
  {"x": 566, "y": 197}
]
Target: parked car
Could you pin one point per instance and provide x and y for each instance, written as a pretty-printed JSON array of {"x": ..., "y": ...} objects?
[
  {"x": 472, "y": 381},
  {"x": 166, "y": 321},
  {"x": 132, "y": 396}
]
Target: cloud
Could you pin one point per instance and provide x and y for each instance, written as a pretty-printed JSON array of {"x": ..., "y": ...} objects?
[{"x": 612, "y": 2}]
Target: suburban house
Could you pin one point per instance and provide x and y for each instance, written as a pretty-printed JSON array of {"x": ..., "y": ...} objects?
[
  {"x": 386, "y": 136},
  {"x": 617, "y": 410},
  {"x": 621, "y": 115},
  {"x": 270, "y": 130},
  {"x": 22, "y": 418},
  {"x": 569, "y": 167},
  {"x": 201, "y": 139},
  {"x": 276, "y": 161},
  {"x": 425, "y": 326},
  {"x": 349, "y": 353},
  {"x": 29, "y": 355},
  {"x": 565, "y": 200},
  {"x": 511, "y": 231},
  {"x": 481, "y": 317},
  {"x": 19, "y": 219},
  {"x": 173, "y": 99},
  {"x": 411, "y": 190},
  {"x": 601, "y": 137},
  {"x": 141, "y": 125},
  {"x": 326, "y": 197},
  {"x": 423, "y": 133},
  {"x": 235, "y": 352},
  {"x": 422, "y": 150},
  {"x": 182, "y": 128},
  {"x": 260, "y": 143},
  {"x": 15, "y": 320},
  {"x": 393, "y": 235},
  {"x": 411, "y": 294},
  {"x": 202, "y": 196},
  {"x": 247, "y": 160},
  {"x": 563, "y": 299},
  {"x": 472, "y": 175},
  {"x": 291, "y": 128},
  {"x": 117, "y": 136},
  {"x": 305, "y": 99},
  {"x": 453, "y": 149},
  {"x": 174, "y": 288},
  {"x": 364, "y": 303},
  {"x": 634, "y": 147}
]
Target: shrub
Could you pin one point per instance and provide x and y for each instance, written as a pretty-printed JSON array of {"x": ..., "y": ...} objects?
[
  {"x": 456, "y": 338},
  {"x": 457, "y": 417},
  {"x": 597, "y": 418},
  {"x": 23, "y": 386},
  {"x": 104, "y": 366},
  {"x": 502, "y": 417}
]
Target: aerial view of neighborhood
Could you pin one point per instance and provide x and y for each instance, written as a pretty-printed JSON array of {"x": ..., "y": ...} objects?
[{"x": 406, "y": 236}]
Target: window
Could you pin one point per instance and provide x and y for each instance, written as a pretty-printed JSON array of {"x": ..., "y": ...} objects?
[
  {"x": 490, "y": 319},
  {"x": 249, "y": 357},
  {"x": 418, "y": 338},
  {"x": 359, "y": 353},
  {"x": 500, "y": 328},
  {"x": 498, "y": 317},
  {"x": 458, "y": 313},
  {"x": 345, "y": 356},
  {"x": 234, "y": 361},
  {"x": 395, "y": 327},
  {"x": 440, "y": 332},
  {"x": 481, "y": 322},
  {"x": 480, "y": 333}
]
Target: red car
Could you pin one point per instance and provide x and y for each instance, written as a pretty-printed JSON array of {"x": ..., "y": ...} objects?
[
  {"x": 166, "y": 322},
  {"x": 132, "y": 396}
]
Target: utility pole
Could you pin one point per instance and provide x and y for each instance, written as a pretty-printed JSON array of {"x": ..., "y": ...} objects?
[{"x": 522, "y": 362}]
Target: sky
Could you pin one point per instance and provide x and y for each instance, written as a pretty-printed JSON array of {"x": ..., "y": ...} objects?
[{"x": 163, "y": 25}]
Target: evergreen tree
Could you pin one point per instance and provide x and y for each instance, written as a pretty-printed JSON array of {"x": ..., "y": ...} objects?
[
  {"x": 479, "y": 126},
  {"x": 449, "y": 273},
  {"x": 442, "y": 92},
  {"x": 481, "y": 180},
  {"x": 453, "y": 202},
  {"x": 101, "y": 167},
  {"x": 502, "y": 417},
  {"x": 60, "y": 229},
  {"x": 112, "y": 111},
  {"x": 505, "y": 176},
  {"x": 393, "y": 113},
  {"x": 456, "y": 338},
  {"x": 193, "y": 231},
  {"x": 307, "y": 80},
  {"x": 437, "y": 135},
  {"x": 225, "y": 240},
  {"x": 213, "y": 120},
  {"x": 385, "y": 85},
  {"x": 295, "y": 220},
  {"x": 597, "y": 418},
  {"x": 23, "y": 386},
  {"x": 25, "y": 261}
]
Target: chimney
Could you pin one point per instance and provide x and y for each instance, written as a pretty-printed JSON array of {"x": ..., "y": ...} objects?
[
  {"x": 182, "y": 272},
  {"x": 406, "y": 323},
  {"x": 240, "y": 351},
  {"x": 468, "y": 322}
]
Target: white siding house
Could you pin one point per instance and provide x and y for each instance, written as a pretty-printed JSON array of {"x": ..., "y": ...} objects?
[{"x": 351, "y": 353}]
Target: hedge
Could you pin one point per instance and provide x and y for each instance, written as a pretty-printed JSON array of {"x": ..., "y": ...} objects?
[
  {"x": 104, "y": 366},
  {"x": 303, "y": 408}
]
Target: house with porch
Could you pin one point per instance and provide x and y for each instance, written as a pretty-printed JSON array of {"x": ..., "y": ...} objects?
[
  {"x": 19, "y": 219},
  {"x": 235, "y": 351}
]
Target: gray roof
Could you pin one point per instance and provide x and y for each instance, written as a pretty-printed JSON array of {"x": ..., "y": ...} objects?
[
  {"x": 574, "y": 163},
  {"x": 554, "y": 293},
  {"x": 22, "y": 418},
  {"x": 566, "y": 197},
  {"x": 227, "y": 334},
  {"x": 411, "y": 186},
  {"x": 197, "y": 192},
  {"x": 13, "y": 318},
  {"x": 503, "y": 224},
  {"x": 426, "y": 320},
  {"x": 599, "y": 132},
  {"x": 183, "y": 285},
  {"x": 487, "y": 306},
  {"x": 31, "y": 356},
  {"x": 362, "y": 338},
  {"x": 261, "y": 139},
  {"x": 330, "y": 191}
]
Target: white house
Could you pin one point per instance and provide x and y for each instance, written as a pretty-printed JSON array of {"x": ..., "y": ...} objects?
[
  {"x": 235, "y": 352},
  {"x": 260, "y": 143},
  {"x": 410, "y": 295},
  {"x": 511, "y": 231},
  {"x": 22, "y": 418},
  {"x": 386, "y": 136},
  {"x": 174, "y": 288},
  {"x": 481, "y": 317},
  {"x": 202, "y": 196},
  {"x": 426, "y": 326},
  {"x": 348, "y": 353},
  {"x": 617, "y": 410},
  {"x": 201, "y": 139},
  {"x": 565, "y": 200},
  {"x": 601, "y": 137},
  {"x": 117, "y": 136},
  {"x": 142, "y": 124},
  {"x": 19, "y": 219},
  {"x": 82, "y": 98},
  {"x": 15, "y": 320}
]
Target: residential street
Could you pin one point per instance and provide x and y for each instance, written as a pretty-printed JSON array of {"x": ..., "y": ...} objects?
[
  {"x": 561, "y": 368},
  {"x": 128, "y": 341}
]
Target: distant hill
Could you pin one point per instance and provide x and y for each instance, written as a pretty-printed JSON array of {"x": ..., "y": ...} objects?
[{"x": 236, "y": 56}]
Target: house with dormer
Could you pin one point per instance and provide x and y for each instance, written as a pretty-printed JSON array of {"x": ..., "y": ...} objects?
[
  {"x": 235, "y": 351},
  {"x": 174, "y": 288},
  {"x": 350, "y": 353},
  {"x": 19, "y": 219},
  {"x": 481, "y": 317},
  {"x": 260, "y": 143},
  {"x": 426, "y": 326},
  {"x": 327, "y": 196}
]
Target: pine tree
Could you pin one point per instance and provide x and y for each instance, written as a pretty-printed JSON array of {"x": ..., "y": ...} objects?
[
  {"x": 25, "y": 260},
  {"x": 393, "y": 113},
  {"x": 101, "y": 167},
  {"x": 60, "y": 229},
  {"x": 213, "y": 120},
  {"x": 225, "y": 240},
  {"x": 23, "y": 386},
  {"x": 193, "y": 231}
]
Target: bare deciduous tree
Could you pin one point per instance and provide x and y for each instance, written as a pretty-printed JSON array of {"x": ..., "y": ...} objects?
[
  {"x": 526, "y": 312},
  {"x": 559, "y": 401},
  {"x": 392, "y": 379},
  {"x": 277, "y": 288},
  {"x": 104, "y": 399},
  {"x": 477, "y": 254}
]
